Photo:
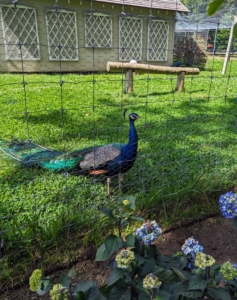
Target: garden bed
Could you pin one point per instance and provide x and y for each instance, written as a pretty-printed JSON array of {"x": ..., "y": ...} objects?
[{"x": 215, "y": 234}]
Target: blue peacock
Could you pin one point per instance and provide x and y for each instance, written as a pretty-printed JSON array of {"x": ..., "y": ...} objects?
[{"x": 109, "y": 160}]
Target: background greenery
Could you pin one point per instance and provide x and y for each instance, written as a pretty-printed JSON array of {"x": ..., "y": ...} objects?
[{"x": 186, "y": 159}]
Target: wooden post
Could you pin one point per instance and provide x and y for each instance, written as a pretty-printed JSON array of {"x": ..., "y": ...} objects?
[
  {"x": 151, "y": 69},
  {"x": 180, "y": 82},
  {"x": 227, "y": 55},
  {"x": 129, "y": 81}
]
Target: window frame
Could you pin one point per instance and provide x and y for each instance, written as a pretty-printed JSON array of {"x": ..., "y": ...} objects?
[
  {"x": 98, "y": 14},
  {"x": 50, "y": 56},
  {"x": 141, "y": 39},
  {"x": 8, "y": 57},
  {"x": 148, "y": 40}
]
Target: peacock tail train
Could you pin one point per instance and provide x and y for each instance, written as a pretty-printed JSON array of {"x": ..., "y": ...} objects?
[{"x": 29, "y": 154}]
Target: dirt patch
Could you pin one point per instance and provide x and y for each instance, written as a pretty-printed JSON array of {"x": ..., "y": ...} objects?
[{"x": 216, "y": 235}]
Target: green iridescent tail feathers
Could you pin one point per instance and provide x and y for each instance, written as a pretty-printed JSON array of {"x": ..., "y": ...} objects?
[{"x": 29, "y": 154}]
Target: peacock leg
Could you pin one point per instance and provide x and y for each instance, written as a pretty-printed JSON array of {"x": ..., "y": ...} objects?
[
  {"x": 108, "y": 186},
  {"x": 120, "y": 179}
]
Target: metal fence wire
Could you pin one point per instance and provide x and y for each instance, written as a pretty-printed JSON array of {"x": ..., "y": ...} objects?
[{"x": 55, "y": 92}]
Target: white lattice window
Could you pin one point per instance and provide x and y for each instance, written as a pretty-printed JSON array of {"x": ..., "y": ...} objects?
[
  {"x": 98, "y": 30},
  {"x": 158, "y": 34},
  {"x": 20, "y": 33},
  {"x": 130, "y": 39},
  {"x": 62, "y": 35}
]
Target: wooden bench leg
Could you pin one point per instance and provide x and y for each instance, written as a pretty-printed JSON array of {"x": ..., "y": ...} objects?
[
  {"x": 180, "y": 82},
  {"x": 129, "y": 81}
]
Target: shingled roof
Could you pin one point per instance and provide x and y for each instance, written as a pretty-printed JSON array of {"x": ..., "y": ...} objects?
[{"x": 174, "y": 5}]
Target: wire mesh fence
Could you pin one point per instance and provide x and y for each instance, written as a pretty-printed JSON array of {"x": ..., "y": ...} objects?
[{"x": 55, "y": 92}]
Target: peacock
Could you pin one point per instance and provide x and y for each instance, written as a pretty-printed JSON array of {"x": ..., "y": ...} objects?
[{"x": 109, "y": 160}]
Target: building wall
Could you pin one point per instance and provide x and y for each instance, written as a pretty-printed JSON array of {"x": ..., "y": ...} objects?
[{"x": 89, "y": 60}]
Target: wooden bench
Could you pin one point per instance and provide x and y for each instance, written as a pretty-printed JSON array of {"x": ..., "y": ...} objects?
[{"x": 129, "y": 68}]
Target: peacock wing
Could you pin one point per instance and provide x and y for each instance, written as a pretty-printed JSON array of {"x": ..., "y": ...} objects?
[{"x": 99, "y": 156}]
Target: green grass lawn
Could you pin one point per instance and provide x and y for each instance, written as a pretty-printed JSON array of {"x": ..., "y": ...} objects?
[{"x": 187, "y": 148}]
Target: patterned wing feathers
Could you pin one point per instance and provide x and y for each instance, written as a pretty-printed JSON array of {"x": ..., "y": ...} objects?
[{"x": 99, "y": 156}]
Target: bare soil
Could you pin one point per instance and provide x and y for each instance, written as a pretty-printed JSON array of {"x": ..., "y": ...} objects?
[{"x": 215, "y": 234}]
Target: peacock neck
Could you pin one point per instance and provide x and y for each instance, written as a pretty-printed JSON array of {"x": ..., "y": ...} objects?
[{"x": 132, "y": 137}]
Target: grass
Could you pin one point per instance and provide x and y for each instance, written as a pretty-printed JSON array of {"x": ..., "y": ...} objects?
[{"x": 187, "y": 146}]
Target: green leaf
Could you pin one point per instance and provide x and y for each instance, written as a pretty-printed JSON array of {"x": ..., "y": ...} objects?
[
  {"x": 197, "y": 282},
  {"x": 79, "y": 296},
  {"x": 115, "y": 275},
  {"x": 234, "y": 222},
  {"x": 130, "y": 241},
  {"x": 214, "y": 6},
  {"x": 161, "y": 295},
  {"x": 113, "y": 243},
  {"x": 102, "y": 254},
  {"x": 83, "y": 286},
  {"x": 70, "y": 273},
  {"x": 179, "y": 274},
  {"x": 136, "y": 218},
  {"x": 65, "y": 280},
  {"x": 235, "y": 31},
  {"x": 104, "y": 291},
  {"x": 140, "y": 259},
  {"x": 218, "y": 293},
  {"x": 44, "y": 287},
  {"x": 92, "y": 293},
  {"x": 150, "y": 250},
  {"x": 120, "y": 292},
  {"x": 167, "y": 275},
  {"x": 193, "y": 294},
  {"x": 108, "y": 213},
  {"x": 132, "y": 202},
  {"x": 148, "y": 267}
]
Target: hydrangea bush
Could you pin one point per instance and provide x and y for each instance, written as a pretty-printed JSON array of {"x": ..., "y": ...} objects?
[{"x": 140, "y": 272}]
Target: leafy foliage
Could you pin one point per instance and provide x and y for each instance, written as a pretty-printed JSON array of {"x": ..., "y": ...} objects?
[{"x": 145, "y": 274}]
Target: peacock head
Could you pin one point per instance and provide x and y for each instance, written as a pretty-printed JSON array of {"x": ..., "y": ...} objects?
[{"x": 133, "y": 117}]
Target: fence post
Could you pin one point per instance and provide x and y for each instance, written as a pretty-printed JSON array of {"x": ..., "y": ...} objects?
[
  {"x": 129, "y": 81},
  {"x": 180, "y": 82}
]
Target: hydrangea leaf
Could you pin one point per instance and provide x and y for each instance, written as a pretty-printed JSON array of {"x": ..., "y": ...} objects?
[
  {"x": 197, "y": 282},
  {"x": 140, "y": 259},
  {"x": 193, "y": 294},
  {"x": 79, "y": 296},
  {"x": 115, "y": 275},
  {"x": 162, "y": 295},
  {"x": 83, "y": 286},
  {"x": 70, "y": 273},
  {"x": 150, "y": 250},
  {"x": 234, "y": 222},
  {"x": 130, "y": 241},
  {"x": 167, "y": 275},
  {"x": 92, "y": 293},
  {"x": 179, "y": 273},
  {"x": 44, "y": 287},
  {"x": 136, "y": 218},
  {"x": 108, "y": 213},
  {"x": 120, "y": 292},
  {"x": 149, "y": 267},
  {"x": 214, "y": 6},
  {"x": 113, "y": 243},
  {"x": 102, "y": 253},
  {"x": 65, "y": 280},
  {"x": 218, "y": 293}
]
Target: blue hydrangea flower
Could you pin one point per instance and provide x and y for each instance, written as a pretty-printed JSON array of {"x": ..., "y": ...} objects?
[
  {"x": 191, "y": 246},
  {"x": 228, "y": 205},
  {"x": 148, "y": 232}
]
